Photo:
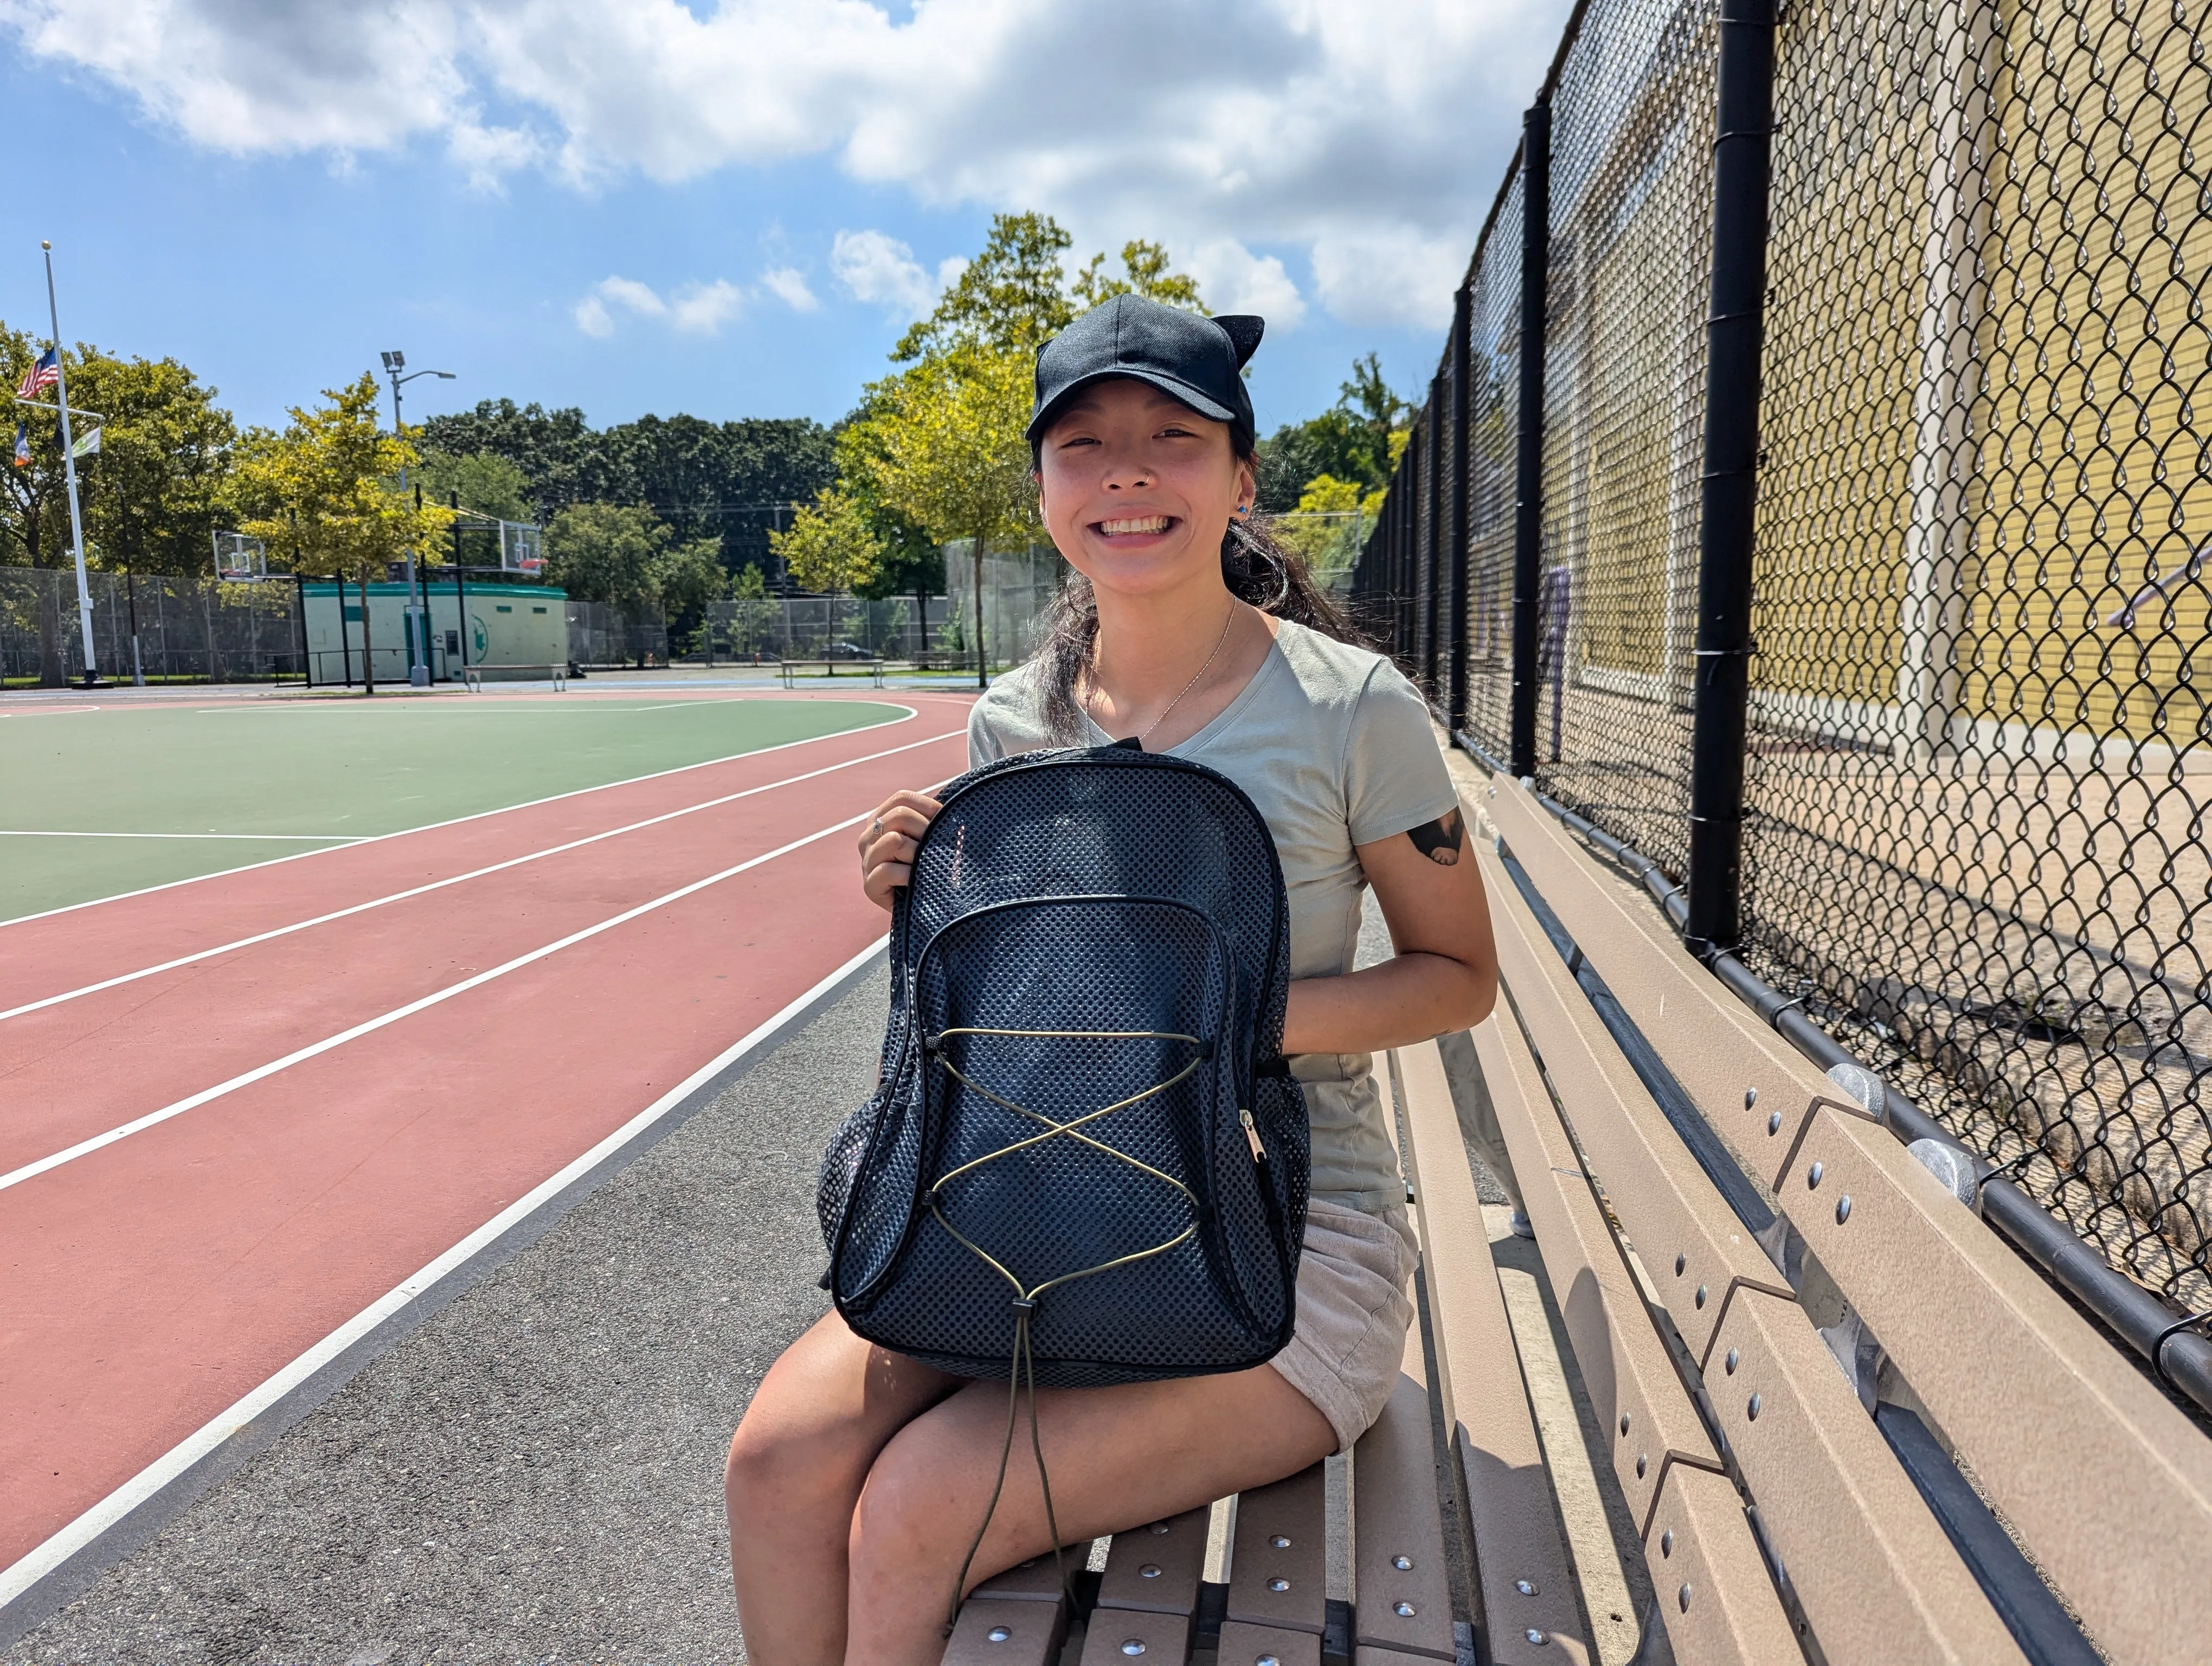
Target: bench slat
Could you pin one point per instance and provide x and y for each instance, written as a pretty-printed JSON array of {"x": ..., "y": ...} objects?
[
  {"x": 1294, "y": 1513},
  {"x": 1690, "y": 1240},
  {"x": 1166, "y": 1638},
  {"x": 2109, "y": 1484},
  {"x": 1649, "y": 1423},
  {"x": 1034, "y": 1633},
  {"x": 1243, "y": 1645},
  {"x": 1516, "y": 1524},
  {"x": 1396, "y": 1518},
  {"x": 1036, "y": 1580},
  {"x": 1718, "y": 1603},
  {"x": 1174, "y": 1551},
  {"x": 1876, "y": 1573}
]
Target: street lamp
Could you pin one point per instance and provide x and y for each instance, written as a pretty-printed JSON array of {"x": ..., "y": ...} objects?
[{"x": 418, "y": 634}]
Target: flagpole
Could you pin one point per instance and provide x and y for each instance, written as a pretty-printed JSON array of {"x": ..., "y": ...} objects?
[{"x": 69, "y": 470}]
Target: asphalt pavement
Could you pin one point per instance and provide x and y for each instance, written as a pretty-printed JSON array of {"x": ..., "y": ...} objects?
[{"x": 534, "y": 1475}]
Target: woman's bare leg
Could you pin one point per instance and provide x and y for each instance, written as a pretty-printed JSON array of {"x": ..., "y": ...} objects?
[
  {"x": 800, "y": 1457},
  {"x": 1116, "y": 1457}
]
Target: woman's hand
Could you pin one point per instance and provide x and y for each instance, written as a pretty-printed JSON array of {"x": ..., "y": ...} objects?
[{"x": 887, "y": 843}]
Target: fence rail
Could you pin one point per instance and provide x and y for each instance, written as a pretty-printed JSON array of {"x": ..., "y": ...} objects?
[{"x": 1954, "y": 344}]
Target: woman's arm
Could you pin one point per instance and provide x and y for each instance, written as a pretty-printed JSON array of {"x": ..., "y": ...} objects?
[{"x": 1445, "y": 974}]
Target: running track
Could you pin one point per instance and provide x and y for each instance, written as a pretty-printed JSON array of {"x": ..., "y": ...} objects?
[{"x": 206, "y": 1167}]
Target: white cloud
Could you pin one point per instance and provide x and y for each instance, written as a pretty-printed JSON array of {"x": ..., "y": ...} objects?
[
  {"x": 788, "y": 285},
  {"x": 697, "y": 309},
  {"x": 1343, "y": 133},
  {"x": 1234, "y": 280},
  {"x": 879, "y": 268}
]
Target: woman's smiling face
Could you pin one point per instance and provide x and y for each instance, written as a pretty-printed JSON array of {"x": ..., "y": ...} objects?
[{"x": 1137, "y": 489}]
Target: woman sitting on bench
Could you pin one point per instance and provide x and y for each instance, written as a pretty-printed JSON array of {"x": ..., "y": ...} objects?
[{"x": 854, "y": 1470}]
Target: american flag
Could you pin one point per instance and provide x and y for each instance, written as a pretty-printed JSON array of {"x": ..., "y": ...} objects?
[{"x": 45, "y": 372}]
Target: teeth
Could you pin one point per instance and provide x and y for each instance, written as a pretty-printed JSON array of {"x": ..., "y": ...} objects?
[{"x": 1147, "y": 524}]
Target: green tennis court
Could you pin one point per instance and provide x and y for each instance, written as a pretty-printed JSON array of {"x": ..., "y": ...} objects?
[{"x": 99, "y": 800}]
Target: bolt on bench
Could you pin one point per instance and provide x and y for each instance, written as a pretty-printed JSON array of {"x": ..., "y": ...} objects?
[{"x": 1849, "y": 1424}]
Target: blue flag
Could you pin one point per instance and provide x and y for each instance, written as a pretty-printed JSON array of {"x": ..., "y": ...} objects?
[{"x": 22, "y": 448}]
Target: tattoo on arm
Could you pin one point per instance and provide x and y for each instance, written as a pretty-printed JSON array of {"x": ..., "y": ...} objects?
[{"x": 1439, "y": 839}]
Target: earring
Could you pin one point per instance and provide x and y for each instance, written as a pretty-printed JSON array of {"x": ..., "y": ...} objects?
[{"x": 1242, "y": 508}]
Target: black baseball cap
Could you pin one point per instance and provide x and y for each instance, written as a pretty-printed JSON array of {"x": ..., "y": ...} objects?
[{"x": 1186, "y": 355}]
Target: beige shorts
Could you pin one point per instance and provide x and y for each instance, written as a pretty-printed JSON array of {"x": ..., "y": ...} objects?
[{"x": 1353, "y": 1313}]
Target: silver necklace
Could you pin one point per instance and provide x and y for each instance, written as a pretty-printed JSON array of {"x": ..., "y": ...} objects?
[{"x": 1090, "y": 678}]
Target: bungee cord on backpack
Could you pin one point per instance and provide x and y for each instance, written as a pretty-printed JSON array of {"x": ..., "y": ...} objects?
[{"x": 1022, "y": 1365}]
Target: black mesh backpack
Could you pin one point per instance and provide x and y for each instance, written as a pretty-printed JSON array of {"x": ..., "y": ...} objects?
[{"x": 1085, "y": 1163}]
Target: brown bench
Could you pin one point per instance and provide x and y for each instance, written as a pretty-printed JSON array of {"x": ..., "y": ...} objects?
[{"x": 1844, "y": 1420}]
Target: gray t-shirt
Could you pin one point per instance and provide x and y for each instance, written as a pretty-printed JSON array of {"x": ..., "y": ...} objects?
[{"x": 1333, "y": 745}]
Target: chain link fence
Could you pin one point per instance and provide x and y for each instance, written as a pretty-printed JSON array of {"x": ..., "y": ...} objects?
[
  {"x": 187, "y": 630},
  {"x": 1976, "y": 782}
]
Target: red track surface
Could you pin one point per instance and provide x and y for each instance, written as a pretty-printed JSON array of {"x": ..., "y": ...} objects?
[{"x": 153, "y": 1281}]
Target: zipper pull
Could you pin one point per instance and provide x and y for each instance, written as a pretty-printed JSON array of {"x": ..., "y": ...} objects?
[{"x": 1252, "y": 1137}]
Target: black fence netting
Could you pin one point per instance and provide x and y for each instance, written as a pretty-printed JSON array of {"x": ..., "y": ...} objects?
[
  {"x": 1974, "y": 810},
  {"x": 162, "y": 628}
]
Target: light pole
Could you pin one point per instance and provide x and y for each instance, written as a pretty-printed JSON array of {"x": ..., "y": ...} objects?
[
  {"x": 91, "y": 679},
  {"x": 418, "y": 635}
]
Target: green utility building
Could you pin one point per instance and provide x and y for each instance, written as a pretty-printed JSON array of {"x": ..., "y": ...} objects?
[{"x": 496, "y": 626}]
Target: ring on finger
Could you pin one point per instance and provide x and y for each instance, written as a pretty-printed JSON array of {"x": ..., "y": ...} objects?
[{"x": 880, "y": 827}]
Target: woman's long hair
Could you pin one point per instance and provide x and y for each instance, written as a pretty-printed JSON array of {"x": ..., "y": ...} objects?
[{"x": 1257, "y": 568}]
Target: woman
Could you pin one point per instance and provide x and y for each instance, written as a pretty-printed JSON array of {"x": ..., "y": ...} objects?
[{"x": 856, "y": 1472}]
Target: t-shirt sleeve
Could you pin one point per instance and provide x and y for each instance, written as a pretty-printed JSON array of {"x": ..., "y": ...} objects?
[
  {"x": 984, "y": 746},
  {"x": 1394, "y": 775}
]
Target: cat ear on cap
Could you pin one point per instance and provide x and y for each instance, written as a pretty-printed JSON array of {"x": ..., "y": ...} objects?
[{"x": 1243, "y": 331}]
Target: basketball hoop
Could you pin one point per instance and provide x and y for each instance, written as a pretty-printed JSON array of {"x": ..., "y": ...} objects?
[{"x": 240, "y": 559}]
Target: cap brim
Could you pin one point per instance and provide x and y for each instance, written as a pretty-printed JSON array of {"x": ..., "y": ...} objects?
[{"x": 1181, "y": 391}]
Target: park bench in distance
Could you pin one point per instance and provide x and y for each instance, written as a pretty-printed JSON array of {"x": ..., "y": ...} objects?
[
  {"x": 791, "y": 668},
  {"x": 1838, "y": 1407},
  {"x": 472, "y": 677}
]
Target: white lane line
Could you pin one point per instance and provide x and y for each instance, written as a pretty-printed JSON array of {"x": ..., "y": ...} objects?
[
  {"x": 53, "y": 711},
  {"x": 478, "y": 815},
  {"x": 72, "y": 833},
  {"x": 151, "y": 1482},
  {"x": 462, "y": 878},
  {"x": 383, "y": 1020}
]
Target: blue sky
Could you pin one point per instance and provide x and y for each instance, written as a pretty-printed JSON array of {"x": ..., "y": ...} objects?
[{"x": 730, "y": 210}]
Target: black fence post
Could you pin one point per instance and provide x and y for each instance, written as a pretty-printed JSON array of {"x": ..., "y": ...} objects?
[
  {"x": 1432, "y": 543},
  {"x": 1735, "y": 334},
  {"x": 1528, "y": 457},
  {"x": 1459, "y": 354}
]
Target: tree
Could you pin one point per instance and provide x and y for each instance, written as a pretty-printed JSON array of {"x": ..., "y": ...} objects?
[
  {"x": 1145, "y": 272},
  {"x": 325, "y": 489},
  {"x": 753, "y": 620},
  {"x": 627, "y": 557},
  {"x": 727, "y": 480},
  {"x": 1330, "y": 522},
  {"x": 1358, "y": 439},
  {"x": 949, "y": 454},
  {"x": 483, "y": 480},
  {"x": 1012, "y": 296},
  {"x": 831, "y": 545}
]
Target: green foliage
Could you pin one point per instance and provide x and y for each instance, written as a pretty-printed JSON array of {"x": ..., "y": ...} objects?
[
  {"x": 1358, "y": 439},
  {"x": 1330, "y": 523},
  {"x": 484, "y": 481},
  {"x": 949, "y": 452},
  {"x": 323, "y": 491},
  {"x": 755, "y": 615},
  {"x": 1012, "y": 296},
  {"x": 1017, "y": 294},
  {"x": 831, "y": 545},
  {"x": 726, "y": 480},
  {"x": 628, "y": 557},
  {"x": 151, "y": 496},
  {"x": 1145, "y": 272}
]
